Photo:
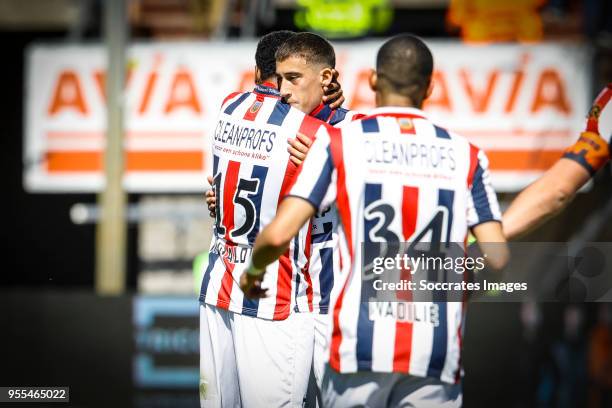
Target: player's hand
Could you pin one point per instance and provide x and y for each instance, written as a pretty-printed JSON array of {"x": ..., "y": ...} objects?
[
  {"x": 251, "y": 286},
  {"x": 332, "y": 93},
  {"x": 211, "y": 200},
  {"x": 298, "y": 148},
  {"x": 590, "y": 150}
]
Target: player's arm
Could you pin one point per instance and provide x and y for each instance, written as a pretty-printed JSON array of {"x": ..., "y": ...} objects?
[
  {"x": 273, "y": 241},
  {"x": 312, "y": 189},
  {"x": 544, "y": 198},
  {"x": 211, "y": 200},
  {"x": 484, "y": 216},
  {"x": 298, "y": 148},
  {"x": 492, "y": 244},
  {"x": 555, "y": 189}
]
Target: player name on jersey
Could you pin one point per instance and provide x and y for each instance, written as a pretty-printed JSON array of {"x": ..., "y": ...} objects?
[
  {"x": 419, "y": 312},
  {"x": 232, "y": 253}
]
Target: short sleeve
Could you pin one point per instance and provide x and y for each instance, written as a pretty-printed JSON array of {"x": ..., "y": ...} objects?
[
  {"x": 482, "y": 200},
  {"x": 315, "y": 181}
]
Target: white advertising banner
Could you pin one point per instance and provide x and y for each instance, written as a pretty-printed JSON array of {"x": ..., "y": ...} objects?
[{"x": 521, "y": 104}]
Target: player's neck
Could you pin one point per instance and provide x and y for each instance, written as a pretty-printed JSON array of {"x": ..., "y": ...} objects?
[
  {"x": 390, "y": 99},
  {"x": 267, "y": 82}
]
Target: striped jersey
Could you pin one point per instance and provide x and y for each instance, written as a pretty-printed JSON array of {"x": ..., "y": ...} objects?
[
  {"x": 252, "y": 171},
  {"x": 335, "y": 117},
  {"x": 324, "y": 254},
  {"x": 395, "y": 176}
]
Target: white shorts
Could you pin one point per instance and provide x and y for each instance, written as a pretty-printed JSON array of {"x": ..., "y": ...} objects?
[
  {"x": 322, "y": 323},
  {"x": 251, "y": 362},
  {"x": 369, "y": 389}
]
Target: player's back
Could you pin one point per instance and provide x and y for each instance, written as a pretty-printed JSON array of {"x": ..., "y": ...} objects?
[
  {"x": 409, "y": 172},
  {"x": 251, "y": 171},
  {"x": 398, "y": 178}
]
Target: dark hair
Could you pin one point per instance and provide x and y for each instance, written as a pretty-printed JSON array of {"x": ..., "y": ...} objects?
[
  {"x": 266, "y": 48},
  {"x": 312, "y": 47},
  {"x": 404, "y": 65}
]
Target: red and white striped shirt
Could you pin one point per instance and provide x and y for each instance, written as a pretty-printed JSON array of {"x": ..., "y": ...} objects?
[
  {"x": 324, "y": 253},
  {"x": 252, "y": 171},
  {"x": 391, "y": 175}
]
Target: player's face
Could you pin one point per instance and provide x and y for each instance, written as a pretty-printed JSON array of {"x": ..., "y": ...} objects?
[{"x": 300, "y": 83}]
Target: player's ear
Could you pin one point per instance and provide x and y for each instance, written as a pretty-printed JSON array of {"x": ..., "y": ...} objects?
[
  {"x": 326, "y": 75},
  {"x": 373, "y": 80},
  {"x": 257, "y": 75}
]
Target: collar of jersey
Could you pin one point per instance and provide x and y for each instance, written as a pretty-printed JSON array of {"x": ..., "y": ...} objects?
[
  {"x": 323, "y": 112},
  {"x": 268, "y": 89},
  {"x": 397, "y": 111}
]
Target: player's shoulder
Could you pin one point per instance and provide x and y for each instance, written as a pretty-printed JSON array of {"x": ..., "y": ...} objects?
[
  {"x": 234, "y": 99},
  {"x": 442, "y": 132},
  {"x": 232, "y": 96},
  {"x": 313, "y": 120},
  {"x": 353, "y": 121},
  {"x": 312, "y": 124},
  {"x": 282, "y": 108},
  {"x": 342, "y": 116},
  {"x": 289, "y": 120},
  {"x": 469, "y": 150},
  {"x": 353, "y": 115}
]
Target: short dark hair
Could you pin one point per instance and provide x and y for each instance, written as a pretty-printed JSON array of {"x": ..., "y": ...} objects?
[
  {"x": 266, "y": 49},
  {"x": 404, "y": 65},
  {"x": 312, "y": 47}
]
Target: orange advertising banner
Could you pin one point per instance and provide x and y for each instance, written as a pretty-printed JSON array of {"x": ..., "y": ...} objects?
[{"x": 521, "y": 104}]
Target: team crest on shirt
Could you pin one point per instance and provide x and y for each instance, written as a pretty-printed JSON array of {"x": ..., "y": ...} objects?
[
  {"x": 255, "y": 106},
  {"x": 405, "y": 124}
]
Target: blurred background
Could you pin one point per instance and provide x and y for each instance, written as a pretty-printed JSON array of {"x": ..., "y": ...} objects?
[{"x": 110, "y": 308}]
